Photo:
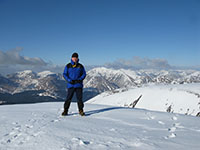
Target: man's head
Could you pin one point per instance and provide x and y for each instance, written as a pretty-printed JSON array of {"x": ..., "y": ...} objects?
[{"x": 75, "y": 57}]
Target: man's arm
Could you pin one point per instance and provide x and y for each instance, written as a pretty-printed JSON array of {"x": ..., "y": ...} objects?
[
  {"x": 83, "y": 75},
  {"x": 65, "y": 75}
]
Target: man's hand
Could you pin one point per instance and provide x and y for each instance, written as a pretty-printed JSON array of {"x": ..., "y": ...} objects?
[
  {"x": 72, "y": 82},
  {"x": 75, "y": 81}
]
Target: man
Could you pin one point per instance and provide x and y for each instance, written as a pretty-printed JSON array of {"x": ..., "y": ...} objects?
[{"x": 74, "y": 74}]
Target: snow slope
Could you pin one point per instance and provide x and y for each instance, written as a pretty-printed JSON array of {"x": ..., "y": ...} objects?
[
  {"x": 182, "y": 98},
  {"x": 40, "y": 127}
]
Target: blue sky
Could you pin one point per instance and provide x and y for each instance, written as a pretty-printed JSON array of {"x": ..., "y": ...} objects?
[{"x": 102, "y": 31}]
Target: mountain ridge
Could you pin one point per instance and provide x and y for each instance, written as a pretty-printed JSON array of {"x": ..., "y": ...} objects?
[{"x": 98, "y": 80}]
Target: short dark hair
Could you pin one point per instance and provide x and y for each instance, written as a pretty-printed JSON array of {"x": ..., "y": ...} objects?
[{"x": 75, "y": 55}]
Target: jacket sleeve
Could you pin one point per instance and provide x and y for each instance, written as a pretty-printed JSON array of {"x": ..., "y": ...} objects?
[
  {"x": 83, "y": 75},
  {"x": 65, "y": 75}
]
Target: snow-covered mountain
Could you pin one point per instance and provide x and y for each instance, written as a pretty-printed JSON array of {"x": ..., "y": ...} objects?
[
  {"x": 98, "y": 80},
  {"x": 36, "y": 87},
  {"x": 177, "y": 98},
  {"x": 40, "y": 127},
  {"x": 51, "y": 83},
  {"x": 102, "y": 79},
  {"x": 105, "y": 79}
]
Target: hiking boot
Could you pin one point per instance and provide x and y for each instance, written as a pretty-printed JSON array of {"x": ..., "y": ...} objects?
[
  {"x": 65, "y": 113},
  {"x": 81, "y": 112}
]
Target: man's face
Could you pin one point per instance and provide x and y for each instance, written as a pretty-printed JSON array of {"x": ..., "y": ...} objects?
[{"x": 74, "y": 59}]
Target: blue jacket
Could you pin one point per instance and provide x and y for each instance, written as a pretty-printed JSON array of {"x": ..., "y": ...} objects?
[{"x": 74, "y": 74}]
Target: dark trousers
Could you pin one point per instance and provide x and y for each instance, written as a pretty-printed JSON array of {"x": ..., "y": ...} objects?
[{"x": 79, "y": 95}]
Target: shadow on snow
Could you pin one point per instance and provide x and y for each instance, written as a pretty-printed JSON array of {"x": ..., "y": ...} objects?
[{"x": 91, "y": 112}]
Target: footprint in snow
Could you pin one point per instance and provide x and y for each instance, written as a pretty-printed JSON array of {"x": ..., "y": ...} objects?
[
  {"x": 172, "y": 129},
  {"x": 56, "y": 120},
  {"x": 112, "y": 129},
  {"x": 80, "y": 142},
  {"x": 172, "y": 135},
  {"x": 15, "y": 123},
  {"x": 29, "y": 126},
  {"x": 174, "y": 118},
  {"x": 11, "y": 137},
  {"x": 160, "y": 122},
  {"x": 178, "y": 125},
  {"x": 149, "y": 116}
]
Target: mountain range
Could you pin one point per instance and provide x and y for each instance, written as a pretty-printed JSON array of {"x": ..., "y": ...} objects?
[{"x": 50, "y": 86}]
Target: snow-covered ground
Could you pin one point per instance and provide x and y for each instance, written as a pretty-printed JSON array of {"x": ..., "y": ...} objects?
[
  {"x": 40, "y": 127},
  {"x": 182, "y": 98}
]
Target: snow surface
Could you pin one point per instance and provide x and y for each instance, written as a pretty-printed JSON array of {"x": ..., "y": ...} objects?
[
  {"x": 40, "y": 127},
  {"x": 183, "y": 98},
  {"x": 44, "y": 74},
  {"x": 24, "y": 73}
]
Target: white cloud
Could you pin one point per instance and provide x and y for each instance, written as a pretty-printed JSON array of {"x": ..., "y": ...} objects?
[
  {"x": 11, "y": 61},
  {"x": 140, "y": 63},
  {"x": 13, "y": 57}
]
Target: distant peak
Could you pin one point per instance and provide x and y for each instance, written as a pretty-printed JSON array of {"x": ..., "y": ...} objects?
[
  {"x": 45, "y": 73},
  {"x": 25, "y": 72}
]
